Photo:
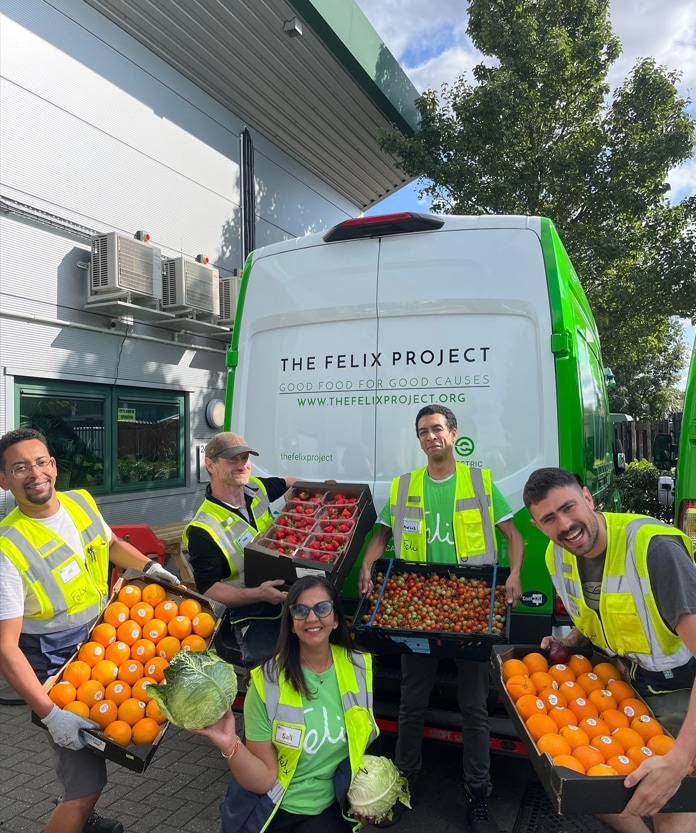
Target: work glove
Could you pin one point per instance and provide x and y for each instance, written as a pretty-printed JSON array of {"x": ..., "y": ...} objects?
[
  {"x": 65, "y": 727},
  {"x": 157, "y": 571}
]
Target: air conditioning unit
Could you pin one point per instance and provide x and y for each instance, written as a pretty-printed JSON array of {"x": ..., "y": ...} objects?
[
  {"x": 229, "y": 293},
  {"x": 189, "y": 285},
  {"x": 124, "y": 264}
]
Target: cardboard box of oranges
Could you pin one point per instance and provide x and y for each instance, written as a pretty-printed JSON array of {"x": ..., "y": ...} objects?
[
  {"x": 583, "y": 726},
  {"x": 145, "y": 622}
]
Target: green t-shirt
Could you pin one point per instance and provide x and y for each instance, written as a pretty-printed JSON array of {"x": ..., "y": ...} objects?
[
  {"x": 438, "y": 500},
  {"x": 311, "y": 789}
]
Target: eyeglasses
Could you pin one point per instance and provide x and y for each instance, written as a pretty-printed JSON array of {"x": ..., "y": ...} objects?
[
  {"x": 320, "y": 609},
  {"x": 22, "y": 470}
]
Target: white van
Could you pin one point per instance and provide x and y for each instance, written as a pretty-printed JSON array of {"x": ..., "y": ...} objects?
[{"x": 341, "y": 338}]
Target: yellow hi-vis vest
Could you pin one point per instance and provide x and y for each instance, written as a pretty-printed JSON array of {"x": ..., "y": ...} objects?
[
  {"x": 629, "y": 623},
  {"x": 473, "y": 520},
  {"x": 286, "y": 713},
  {"x": 70, "y": 590},
  {"x": 230, "y": 531}
]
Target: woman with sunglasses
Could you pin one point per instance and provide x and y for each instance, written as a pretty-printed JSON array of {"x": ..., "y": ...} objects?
[{"x": 308, "y": 720}]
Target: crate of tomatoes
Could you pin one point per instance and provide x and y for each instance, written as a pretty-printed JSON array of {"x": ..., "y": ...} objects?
[
  {"x": 433, "y": 609},
  {"x": 144, "y": 624},
  {"x": 320, "y": 529}
]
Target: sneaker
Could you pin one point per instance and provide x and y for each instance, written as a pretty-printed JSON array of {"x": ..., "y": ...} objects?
[
  {"x": 98, "y": 824},
  {"x": 478, "y": 816}
]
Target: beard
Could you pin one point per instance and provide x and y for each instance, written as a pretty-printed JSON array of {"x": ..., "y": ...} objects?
[{"x": 585, "y": 544}]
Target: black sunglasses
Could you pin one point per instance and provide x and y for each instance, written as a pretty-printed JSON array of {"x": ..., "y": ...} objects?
[{"x": 320, "y": 609}]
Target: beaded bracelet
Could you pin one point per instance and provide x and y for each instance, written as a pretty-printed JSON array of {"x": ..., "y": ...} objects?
[{"x": 233, "y": 752}]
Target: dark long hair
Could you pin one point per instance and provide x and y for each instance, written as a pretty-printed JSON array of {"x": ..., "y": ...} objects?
[{"x": 287, "y": 651}]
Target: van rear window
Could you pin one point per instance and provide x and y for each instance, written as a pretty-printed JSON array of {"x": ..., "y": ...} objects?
[{"x": 382, "y": 224}]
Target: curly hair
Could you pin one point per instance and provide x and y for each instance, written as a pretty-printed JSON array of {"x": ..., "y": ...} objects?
[{"x": 19, "y": 435}]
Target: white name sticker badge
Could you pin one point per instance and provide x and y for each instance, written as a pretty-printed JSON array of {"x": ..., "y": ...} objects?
[
  {"x": 69, "y": 572},
  {"x": 410, "y": 526},
  {"x": 245, "y": 539},
  {"x": 288, "y": 736}
]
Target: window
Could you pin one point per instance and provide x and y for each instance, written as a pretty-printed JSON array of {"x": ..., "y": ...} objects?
[{"x": 105, "y": 439}]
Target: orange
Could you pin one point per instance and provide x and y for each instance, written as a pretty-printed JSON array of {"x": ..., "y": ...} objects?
[
  {"x": 191, "y": 608},
  {"x": 131, "y": 710},
  {"x": 140, "y": 689},
  {"x": 588, "y": 756},
  {"x": 543, "y": 680},
  {"x": 119, "y": 732},
  {"x": 129, "y": 632},
  {"x": 553, "y": 744},
  {"x": 168, "y": 609},
  {"x": 154, "y": 630},
  {"x": 91, "y": 653},
  {"x": 569, "y": 762},
  {"x": 103, "y": 712},
  {"x": 193, "y": 643},
  {"x": 143, "y": 650},
  {"x": 142, "y": 613},
  {"x": 155, "y": 668},
  {"x": 204, "y": 625},
  {"x": 632, "y": 707},
  {"x": 153, "y": 594},
  {"x": 660, "y": 744},
  {"x": 594, "y": 726},
  {"x": 105, "y": 671},
  {"x": 130, "y": 672},
  {"x": 530, "y": 704},
  {"x": 118, "y": 691},
  {"x": 572, "y": 690},
  {"x": 579, "y": 664},
  {"x": 77, "y": 672},
  {"x": 615, "y": 719},
  {"x": 590, "y": 682},
  {"x": 561, "y": 716},
  {"x": 638, "y": 754},
  {"x": 540, "y": 724},
  {"x": 622, "y": 764},
  {"x": 155, "y": 712},
  {"x": 90, "y": 692},
  {"x": 63, "y": 693},
  {"x": 511, "y": 667},
  {"x": 647, "y": 727},
  {"x": 603, "y": 699},
  {"x": 627, "y": 737},
  {"x": 607, "y": 671},
  {"x": 608, "y": 745},
  {"x": 180, "y": 627},
  {"x": 582, "y": 708},
  {"x": 104, "y": 633},
  {"x": 535, "y": 662},
  {"x": 145, "y": 731},
  {"x": 553, "y": 697},
  {"x": 601, "y": 769},
  {"x": 129, "y": 594},
  {"x": 168, "y": 646},
  {"x": 77, "y": 707},
  {"x": 116, "y": 613},
  {"x": 574, "y": 735},
  {"x": 621, "y": 690},
  {"x": 118, "y": 652},
  {"x": 561, "y": 673},
  {"x": 516, "y": 686}
]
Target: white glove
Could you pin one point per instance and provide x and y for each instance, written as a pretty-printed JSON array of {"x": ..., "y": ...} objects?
[
  {"x": 65, "y": 727},
  {"x": 157, "y": 571}
]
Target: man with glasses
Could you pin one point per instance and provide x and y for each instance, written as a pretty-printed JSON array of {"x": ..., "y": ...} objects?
[
  {"x": 236, "y": 508},
  {"x": 55, "y": 549}
]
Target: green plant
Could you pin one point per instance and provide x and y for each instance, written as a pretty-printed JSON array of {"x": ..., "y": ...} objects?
[{"x": 638, "y": 490}]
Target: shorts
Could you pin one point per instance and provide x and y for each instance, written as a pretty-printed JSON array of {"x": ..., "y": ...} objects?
[
  {"x": 81, "y": 772},
  {"x": 670, "y": 708}
]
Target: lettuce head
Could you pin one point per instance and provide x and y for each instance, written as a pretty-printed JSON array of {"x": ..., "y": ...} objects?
[
  {"x": 376, "y": 788},
  {"x": 199, "y": 688}
]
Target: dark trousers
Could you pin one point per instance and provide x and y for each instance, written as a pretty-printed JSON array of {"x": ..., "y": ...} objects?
[
  {"x": 328, "y": 821},
  {"x": 417, "y": 680}
]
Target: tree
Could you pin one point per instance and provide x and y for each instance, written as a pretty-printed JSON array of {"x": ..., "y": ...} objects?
[{"x": 539, "y": 133}]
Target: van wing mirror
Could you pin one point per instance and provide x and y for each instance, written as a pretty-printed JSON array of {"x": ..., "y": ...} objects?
[{"x": 663, "y": 452}]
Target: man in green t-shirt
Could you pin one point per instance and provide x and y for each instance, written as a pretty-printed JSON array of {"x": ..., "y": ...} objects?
[{"x": 430, "y": 516}]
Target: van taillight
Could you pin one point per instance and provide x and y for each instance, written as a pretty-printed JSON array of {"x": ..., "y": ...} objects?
[
  {"x": 382, "y": 224},
  {"x": 559, "y": 609},
  {"x": 687, "y": 519}
]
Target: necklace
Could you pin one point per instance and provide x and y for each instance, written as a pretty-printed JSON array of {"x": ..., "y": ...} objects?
[{"x": 319, "y": 674}]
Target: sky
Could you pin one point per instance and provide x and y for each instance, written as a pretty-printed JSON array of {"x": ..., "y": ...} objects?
[{"x": 429, "y": 41}]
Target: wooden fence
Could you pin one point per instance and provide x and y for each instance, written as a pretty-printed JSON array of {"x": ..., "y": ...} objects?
[{"x": 637, "y": 436}]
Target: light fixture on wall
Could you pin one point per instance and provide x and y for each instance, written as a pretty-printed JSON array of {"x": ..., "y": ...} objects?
[
  {"x": 215, "y": 413},
  {"x": 293, "y": 27}
]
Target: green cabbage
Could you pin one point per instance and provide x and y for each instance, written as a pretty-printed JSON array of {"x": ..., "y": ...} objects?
[
  {"x": 199, "y": 688},
  {"x": 376, "y": 788}
]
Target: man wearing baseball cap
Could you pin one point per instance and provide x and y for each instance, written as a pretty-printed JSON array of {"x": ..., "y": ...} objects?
[{"x": 236, "y": 508}]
